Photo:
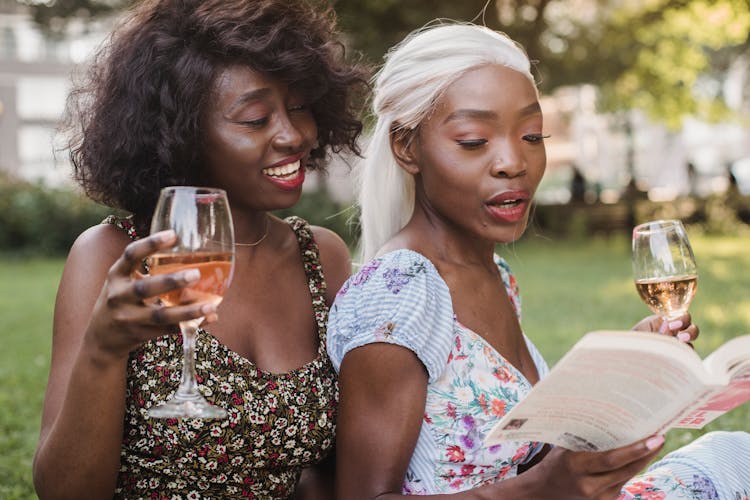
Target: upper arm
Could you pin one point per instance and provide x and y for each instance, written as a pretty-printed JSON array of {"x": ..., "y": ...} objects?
[
  {"x": 334, "y": 258},
  {"x": 383, "y": 389},
  {"x": 84, "y": 274}
]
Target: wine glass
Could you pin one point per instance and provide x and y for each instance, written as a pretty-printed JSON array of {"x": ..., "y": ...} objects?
[
  {"x": 666, "y": 276},
  {"x": 205, "y": 241}
]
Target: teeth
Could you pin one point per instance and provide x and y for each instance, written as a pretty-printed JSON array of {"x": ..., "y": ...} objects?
[
  {"x": 509, "y": 202},
  {"x": 284, "y": 170}
]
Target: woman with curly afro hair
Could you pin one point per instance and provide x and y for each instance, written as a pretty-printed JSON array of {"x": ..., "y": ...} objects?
[{"x": 243, "y": 95}]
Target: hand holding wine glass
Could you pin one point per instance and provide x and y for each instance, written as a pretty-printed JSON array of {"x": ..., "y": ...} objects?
[
  {"x": 205, "y": 241},
  {"x": 664, "y": 268}
]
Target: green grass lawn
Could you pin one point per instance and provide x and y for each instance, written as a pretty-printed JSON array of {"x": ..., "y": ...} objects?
[
  {"x": 568, "y": 289},
  {"x": 27, "y": 295}
]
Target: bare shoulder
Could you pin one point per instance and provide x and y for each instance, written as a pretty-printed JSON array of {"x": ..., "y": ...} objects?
[
  {"x": 334, "y": 258},
  {"x": 98, "y": 245}
]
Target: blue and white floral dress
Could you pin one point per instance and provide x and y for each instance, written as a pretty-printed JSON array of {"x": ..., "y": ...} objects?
[{"x": 400, "y": 298}]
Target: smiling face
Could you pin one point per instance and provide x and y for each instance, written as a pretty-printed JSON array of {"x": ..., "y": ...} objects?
[
  {"x": 479, "y": 156},
  {"x": 259, "y": 134}
]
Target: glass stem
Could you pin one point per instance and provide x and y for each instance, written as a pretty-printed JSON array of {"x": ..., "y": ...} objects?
[{"x": 188, "y": 388}]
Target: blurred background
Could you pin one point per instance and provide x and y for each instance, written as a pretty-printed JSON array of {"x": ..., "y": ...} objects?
[
  {"x": 648, "y": 107},
  {"x": 646, "y": 101}
]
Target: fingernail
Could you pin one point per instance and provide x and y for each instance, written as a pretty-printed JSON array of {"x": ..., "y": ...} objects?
[
  {"x": 654, "y": 442},
  {"x": 684, "y": 336},
  {"x": 208, "y": 309},
  {"x": 675, "y": 325},
  {"x": 191, "y": 275}
]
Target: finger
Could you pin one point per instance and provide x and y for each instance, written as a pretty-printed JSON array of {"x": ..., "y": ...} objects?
[
  {"x": 650, "y": 323},
  {"x": 604, "y": 462},
  {"x": 161, "y": 315},
  {"x": 689, "y": 334},
  {"x": 670, "y": 327},
  {"x": 135, "y": 252},
  {"x": 161, "y": 284},
  {"x": 615, "y": 480}
]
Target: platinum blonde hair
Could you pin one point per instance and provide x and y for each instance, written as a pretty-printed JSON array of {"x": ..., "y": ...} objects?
[{"x": 416, "y": 73}]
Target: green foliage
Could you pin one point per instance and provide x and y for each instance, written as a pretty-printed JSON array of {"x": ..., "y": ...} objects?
[
  {"x": 42, "y": 220},
  {"x": 319, "y": 209},
  {"x": 674, "y": 44}
]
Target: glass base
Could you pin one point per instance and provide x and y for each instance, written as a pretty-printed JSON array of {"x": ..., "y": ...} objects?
[{"x": 187, "y": 407}]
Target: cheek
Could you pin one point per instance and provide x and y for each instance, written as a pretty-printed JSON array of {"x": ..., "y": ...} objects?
[
  {"x": 536, "y": 166},
  {"x": 307, "y": 126}
]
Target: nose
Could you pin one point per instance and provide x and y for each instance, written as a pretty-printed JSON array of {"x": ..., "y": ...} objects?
[
  {"x": 509, "y": 162},
  {"x": 287, "y": 135}
]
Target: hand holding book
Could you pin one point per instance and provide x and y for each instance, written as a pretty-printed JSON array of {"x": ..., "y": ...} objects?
[{"x": 616, "y": 387}]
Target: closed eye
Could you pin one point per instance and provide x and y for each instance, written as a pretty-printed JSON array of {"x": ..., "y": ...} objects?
[
  {"x": 300, "y": 107},
  {"x": 472, "y": 143},
  {"x": 535, "y": 138},
  {"x": 254, "y": 123}
]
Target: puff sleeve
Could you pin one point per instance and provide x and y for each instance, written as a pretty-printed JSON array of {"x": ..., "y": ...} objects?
[{"x": 399, "y": 299}]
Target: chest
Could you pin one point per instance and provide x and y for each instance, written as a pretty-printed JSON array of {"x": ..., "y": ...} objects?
[
  {"x": 272, "y": 314},
  {"x": 485, "y": 305},
  {"x": 275, "y": 423},
  {"x": 476, "y": 388}
]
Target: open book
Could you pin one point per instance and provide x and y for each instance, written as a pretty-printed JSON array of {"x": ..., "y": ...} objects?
[{"x": 616, "y": 387}]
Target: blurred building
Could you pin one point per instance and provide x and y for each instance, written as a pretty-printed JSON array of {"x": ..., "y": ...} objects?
[{"x": 35, "y": 72}]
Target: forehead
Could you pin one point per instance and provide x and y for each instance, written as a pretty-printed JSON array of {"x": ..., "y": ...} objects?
[
  {"x": 497, "y": 89},
  {"x": 235, "y": 84}
]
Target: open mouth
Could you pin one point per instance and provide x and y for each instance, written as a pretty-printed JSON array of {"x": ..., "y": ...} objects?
[
  {"x": 507, "y": 203},
  {"x": 283, "y": 172}
]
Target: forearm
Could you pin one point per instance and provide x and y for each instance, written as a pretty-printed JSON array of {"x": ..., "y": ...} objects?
[{"x": 78, "y": 456}]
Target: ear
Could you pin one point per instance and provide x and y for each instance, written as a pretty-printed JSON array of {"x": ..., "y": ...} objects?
[{"x": 403, "y": 147}]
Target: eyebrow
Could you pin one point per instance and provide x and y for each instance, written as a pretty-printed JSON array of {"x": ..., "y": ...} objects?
[
  {"x": 249, "y": 96},
  {"x": 483, "y": 114}
]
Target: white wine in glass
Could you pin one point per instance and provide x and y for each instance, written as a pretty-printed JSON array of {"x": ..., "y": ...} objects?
[
  {"x": 666, "y": 276},
  {"x": 205, "y": 241}
]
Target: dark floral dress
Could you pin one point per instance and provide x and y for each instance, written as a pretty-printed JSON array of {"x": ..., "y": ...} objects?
[{"x": 277, "y": 425}]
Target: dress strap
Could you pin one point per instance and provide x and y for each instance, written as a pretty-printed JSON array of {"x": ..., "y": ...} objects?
[
  {"x": 124, "y": 224},
  {"x": 313, "y": 272}
]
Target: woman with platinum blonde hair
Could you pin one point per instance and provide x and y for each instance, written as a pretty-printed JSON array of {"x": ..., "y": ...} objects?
[
  {"x": 426, "y": 63},
  {"x": 427, "y": 336}
]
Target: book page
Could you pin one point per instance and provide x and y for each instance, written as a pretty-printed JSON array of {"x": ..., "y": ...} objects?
[
  {"x": 727, "y": 357},
  {"x": 718, "y": 401},
  {"x": 610, "y": 390}
]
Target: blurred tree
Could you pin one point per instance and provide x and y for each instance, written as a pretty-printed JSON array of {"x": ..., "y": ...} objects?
[{"x": 667, "y": 57}]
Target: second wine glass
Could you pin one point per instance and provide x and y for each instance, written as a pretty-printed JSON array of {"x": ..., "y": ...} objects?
[
  {"x": 664, "y": 268},
  {"x": 205, "y": 241}
]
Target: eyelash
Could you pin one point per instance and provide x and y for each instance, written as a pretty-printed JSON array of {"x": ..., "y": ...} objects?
[
  {"x": 535, "y": 138},
  {"x": 477, "y": 143},
  {"x": 472, "y": 144},
  {"x": 255, "y": 123}
]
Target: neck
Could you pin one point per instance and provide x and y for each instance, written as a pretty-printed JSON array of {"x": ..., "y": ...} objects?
[
  {"x": 251, "y": 229},
  {"x": 441, "y": 239}
]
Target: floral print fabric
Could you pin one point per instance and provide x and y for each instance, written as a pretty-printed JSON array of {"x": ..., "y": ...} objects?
[
  {"x": 396, "y": 299},
  {"x": 477, "y": 388},
  {"x": 716, "y": 466},
  {"x": 278, "y": 423}
]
